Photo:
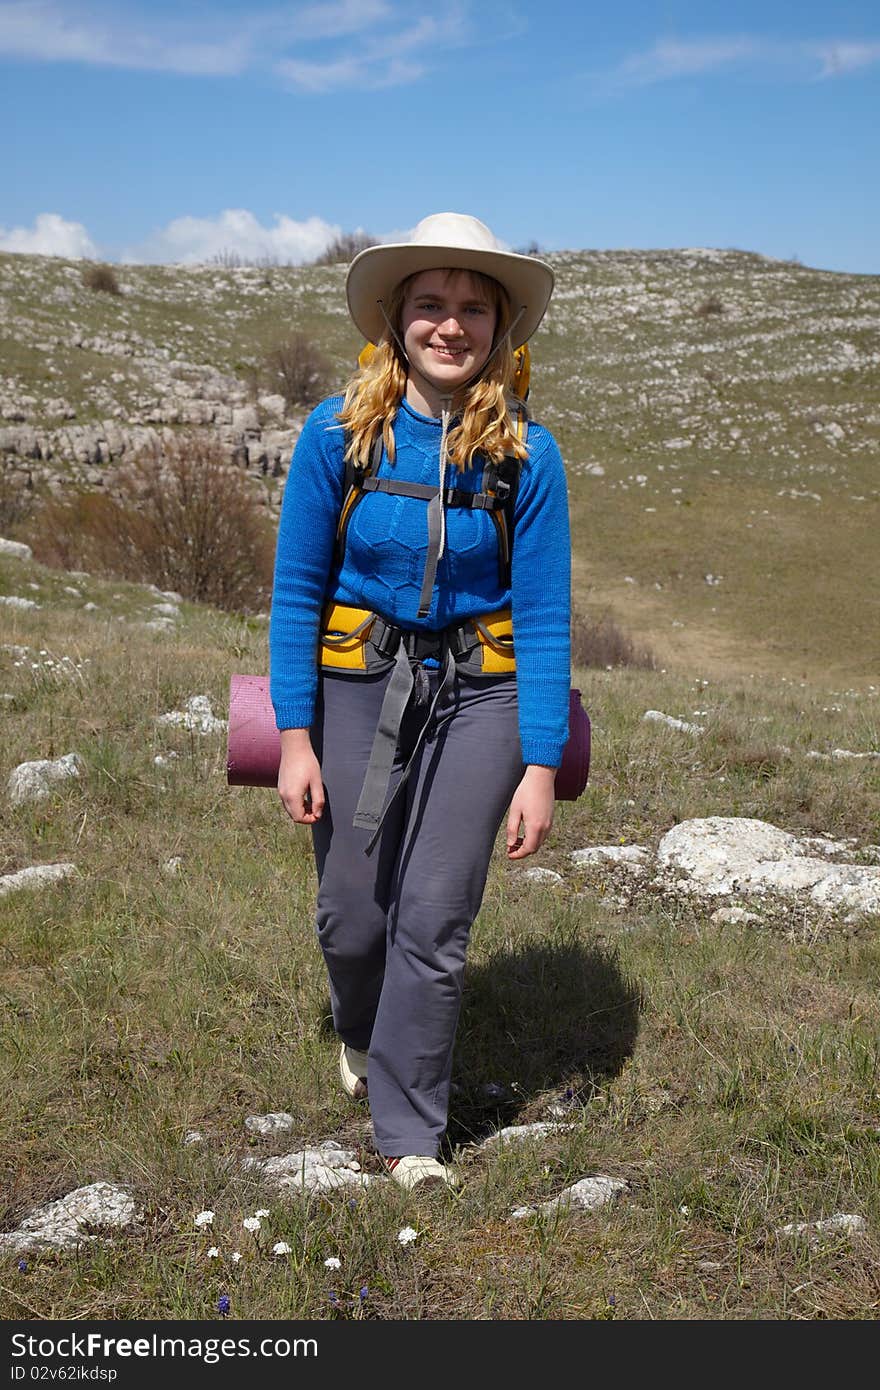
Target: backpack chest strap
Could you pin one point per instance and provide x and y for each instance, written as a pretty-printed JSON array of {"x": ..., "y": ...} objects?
[{"x": 452, "y": 496}]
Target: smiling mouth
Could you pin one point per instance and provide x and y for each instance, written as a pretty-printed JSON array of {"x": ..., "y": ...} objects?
[{"x": 447, "y": 351}]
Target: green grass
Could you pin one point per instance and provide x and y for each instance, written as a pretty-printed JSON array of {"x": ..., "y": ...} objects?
[{"x": 728, "y": 1074}]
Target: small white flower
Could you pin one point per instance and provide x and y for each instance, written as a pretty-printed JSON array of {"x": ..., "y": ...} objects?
[
  {"x": 407, "y": 1235},
  {"x": 262, "y": 1211},
  {"x": 235, "y": 1256},
  {"x": 332, "y": 1263},
  {"x": 251, "y": 1223},
  {"x": 204, "y": 1218},
  {"x": 213, "y": 1253},
  {"x": 281, "y": 1248},
  {"x": 684, "y": 1211}
]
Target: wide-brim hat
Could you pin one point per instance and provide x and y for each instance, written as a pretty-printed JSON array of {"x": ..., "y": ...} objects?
[{"x": 446, "y": 240}]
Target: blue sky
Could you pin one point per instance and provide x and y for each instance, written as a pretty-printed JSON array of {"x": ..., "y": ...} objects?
[{"x": 158, "y": 131}]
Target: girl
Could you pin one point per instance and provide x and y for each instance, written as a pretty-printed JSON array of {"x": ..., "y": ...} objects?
[{"x": 419, "y": 647}]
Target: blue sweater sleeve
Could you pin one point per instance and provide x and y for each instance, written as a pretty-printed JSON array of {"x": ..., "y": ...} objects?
[
  {"x": 303, "y": 561},
  {"x": 541, "y": 601}
]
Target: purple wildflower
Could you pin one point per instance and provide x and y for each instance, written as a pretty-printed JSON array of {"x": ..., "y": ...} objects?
[
  {"x": 612, "y": 1301},
  {"x": 223, "y": 1305},
  {"x": 333, "y": 1299},
  {"x": 22, "y": 1266},
  {"x": 363, "y": 1293}
]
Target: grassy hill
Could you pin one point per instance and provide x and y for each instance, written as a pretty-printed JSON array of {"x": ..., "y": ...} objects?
[
  {"x": 727, "y": 1071},
  {"x": 732, "y": 403}
]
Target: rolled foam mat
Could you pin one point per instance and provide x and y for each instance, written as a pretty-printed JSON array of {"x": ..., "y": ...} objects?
[{"x": 253, "y": 752}]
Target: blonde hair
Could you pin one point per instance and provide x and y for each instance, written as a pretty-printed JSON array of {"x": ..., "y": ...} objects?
[{"x": 374, "y": 393}]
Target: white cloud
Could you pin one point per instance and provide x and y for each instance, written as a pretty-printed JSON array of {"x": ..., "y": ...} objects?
[
  {"x": 44, "y": 31},
  {"x": 51, "y": 235},
  {"x": 191, "y": 240},
  {"x": 389, "y": 61},
  {"x": 669, "y": 59},
  {"x": 838, "y": 58},
  {"x": 304, "y": 44}
]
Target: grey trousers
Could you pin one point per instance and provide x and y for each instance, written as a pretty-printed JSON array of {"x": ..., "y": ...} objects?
[{"x": 394, "y": 925}]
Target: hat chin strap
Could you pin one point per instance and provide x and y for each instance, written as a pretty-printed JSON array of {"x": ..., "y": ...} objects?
[{"x": 436, "y": 508}]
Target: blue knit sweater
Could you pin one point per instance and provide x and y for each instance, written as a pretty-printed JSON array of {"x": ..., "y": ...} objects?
[{"x": 385, "y": 556}]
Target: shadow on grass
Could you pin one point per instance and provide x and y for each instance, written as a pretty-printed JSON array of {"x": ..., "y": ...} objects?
[{"x": 557, "y": 1017}]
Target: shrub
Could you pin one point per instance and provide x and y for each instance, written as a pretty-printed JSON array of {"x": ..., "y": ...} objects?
[
  {"x": 345, "y": 248},
  {"x": 101, "y": 278},
  {"x": 16, "y": 498},
  {"x": 298, "y": 370},
  {"x": 179, "y": 517},
  {"x": 712, "y": 305},
  {"x": 600, "y": 642}
]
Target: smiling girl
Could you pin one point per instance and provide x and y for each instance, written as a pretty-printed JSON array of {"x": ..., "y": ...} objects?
[{"x": 439, "y": 696}]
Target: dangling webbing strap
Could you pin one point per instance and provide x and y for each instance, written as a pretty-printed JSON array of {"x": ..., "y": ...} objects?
[{"x": 371, "y": 809}]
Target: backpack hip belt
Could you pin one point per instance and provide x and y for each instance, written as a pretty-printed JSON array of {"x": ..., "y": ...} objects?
[{"x": 357, "y": 641}]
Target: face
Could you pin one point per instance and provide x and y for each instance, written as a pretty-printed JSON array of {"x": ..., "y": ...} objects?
[{"x": 447, "y": 325}]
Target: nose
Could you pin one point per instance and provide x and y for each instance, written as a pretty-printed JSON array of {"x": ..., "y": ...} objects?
[{"x": 450, "y": 328}]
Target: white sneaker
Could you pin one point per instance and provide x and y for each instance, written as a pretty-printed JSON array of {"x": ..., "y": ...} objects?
[
  {"x": 414, "y": 1169},
  {"x": 353, "y": 1070}
]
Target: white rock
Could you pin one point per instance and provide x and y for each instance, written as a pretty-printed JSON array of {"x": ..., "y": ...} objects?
[
  {"x": 34, "y": 781},
  {"x": 273, "y": 405},
  {"x": 196, "y": 716},
  {"x": 733, "y": 916},
  {"x": 245, "y": 420},
  {"x": 90, "y": 607},
  {"x": 35, "y": 877},
  {"x": 171, "y": 867},
  {"x": 74, "y": 593},
  {"x": 588, "y": 1195},
  {"x": 310, "y": 1169},
  {"x": 194, "y": 1136},
  {"x": 166, "y": 610},
  {"x": 841, "y": 1223},
  {"x": 14, "y": 601},
  {"x": 658, "y": 717},
  {"x": 543, "y": 876},
  {"x": 276, "y": 1122},
  {"x": 60, "y": 1225},
  {"x": 615, "y": 854},
  {"x": 841, "y": 754},
  {"x": 723, "y": 855},
  {"x": 515, "y": 1134},
  {"x": 16, "y": 550}
]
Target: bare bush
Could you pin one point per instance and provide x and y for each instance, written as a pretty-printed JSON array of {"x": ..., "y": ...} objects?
[
  {"x": 345, "y": 248},
  {"x": 101, "y": 278},
  {"x": 228, "y": 259},
  {"x": 181, "y": 518},
  {"x": 16, "y": 499},
  {"x": 297, "y": 369},
  {"x": 712, "y": 305},
  {"x": 601, "y": 642}
]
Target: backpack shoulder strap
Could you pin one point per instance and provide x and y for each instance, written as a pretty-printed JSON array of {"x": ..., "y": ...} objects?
[
  {"x": 501, "y": 480},
  {"x": 353, "y": 490}
]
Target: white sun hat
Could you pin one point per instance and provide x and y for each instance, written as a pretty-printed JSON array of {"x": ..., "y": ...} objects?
[{"x": 446, "y": 240}]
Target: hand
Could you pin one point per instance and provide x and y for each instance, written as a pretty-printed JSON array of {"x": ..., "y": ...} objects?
[
  {"x": 299, "y": 778},
  {"x": 533, "y": 804}
]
